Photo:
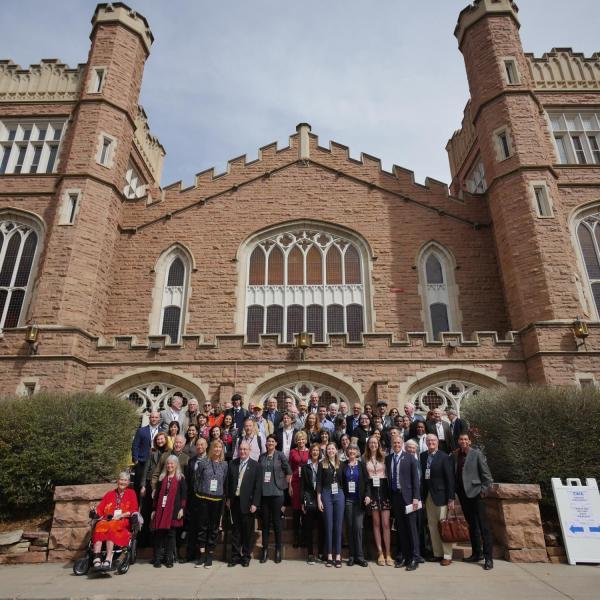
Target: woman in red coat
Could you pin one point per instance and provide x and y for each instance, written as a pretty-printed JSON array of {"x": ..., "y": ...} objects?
[
  {"x": 298, "y": 458},
  {"x": 114, "y": 509},
  {"x": 169, "y": 505}
]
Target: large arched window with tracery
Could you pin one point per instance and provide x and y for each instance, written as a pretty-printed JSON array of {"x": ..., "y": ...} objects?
[
  {"x": 18, "y": 248},
  {"x": 438, "y": 291},
  {"x": 588, "y": 235},
  {"x": 305, "y": 280}
]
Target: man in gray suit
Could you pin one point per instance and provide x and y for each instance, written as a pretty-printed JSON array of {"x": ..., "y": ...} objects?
[
  {"x": 173, "y": 413},
  {"x": 473, "y": 478}
]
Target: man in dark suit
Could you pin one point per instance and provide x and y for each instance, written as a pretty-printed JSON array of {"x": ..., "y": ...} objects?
[
  {"x": 473, "y": 478},
  {"x": 438, "y": 495},
  {"x": 352, "y": 421},
  {"x": 457, "y": 425},
  {"x": 238, "y": 412},
  {"x": 403, "y": 474},
  {"x": 141, "y": 447},
  {"x": 244, "y": 489},
  {"x": 272, "y": 414},
  {"x": 442, "y": 429}
]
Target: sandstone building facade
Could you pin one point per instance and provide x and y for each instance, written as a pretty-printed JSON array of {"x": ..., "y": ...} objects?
[{"x": 411, "y": 292}]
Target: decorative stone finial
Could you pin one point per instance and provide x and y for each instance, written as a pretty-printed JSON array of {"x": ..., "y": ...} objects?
[
  {"x": 119, "y": 12},
  {"x": 304, "y": 147},
  {"x": 478, "y": 9}
]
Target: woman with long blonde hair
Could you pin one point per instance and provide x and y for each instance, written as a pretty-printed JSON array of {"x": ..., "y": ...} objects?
[
  {"x": 209, "y": 489},
  {"x": 381, "y": 504}
]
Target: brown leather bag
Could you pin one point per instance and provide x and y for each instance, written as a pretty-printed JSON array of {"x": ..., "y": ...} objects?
[{"x": 453, "y": 529}]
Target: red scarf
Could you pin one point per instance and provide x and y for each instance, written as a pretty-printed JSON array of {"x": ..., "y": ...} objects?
[{"x": 164, "y": 518}]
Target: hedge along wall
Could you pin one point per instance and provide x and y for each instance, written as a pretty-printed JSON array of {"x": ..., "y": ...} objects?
[
  {"x": 52, "y": 439},
  {"x": 531, "y": 434}
]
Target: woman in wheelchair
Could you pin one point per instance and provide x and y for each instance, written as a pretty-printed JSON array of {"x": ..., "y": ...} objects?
[{"x": 114, "y": 510}]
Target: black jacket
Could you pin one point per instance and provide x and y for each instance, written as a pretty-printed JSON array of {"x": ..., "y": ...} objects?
[
  {"x": 363, "y": 481},
  {"x": 441, "y": 478},
  {"x": 409, "y": 476},
  {"x": 327, "y": 476},
  {"x": 306, "y": 483},
  {"x": 279, "y": 436},
  {"x": 281, "y": 468},
  {"x": 251, "y": 490}
]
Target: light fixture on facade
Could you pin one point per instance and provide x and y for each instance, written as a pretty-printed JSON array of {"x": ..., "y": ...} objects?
[
  {"x": 31, "y": 337},
  {"x": 303, "y": 341},
  {"x": 580, "y": 331}
]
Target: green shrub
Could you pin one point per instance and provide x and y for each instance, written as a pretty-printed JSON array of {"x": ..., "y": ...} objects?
[
  {"x": 531, "y": 434},
  {"x": 55, "y": 439}
]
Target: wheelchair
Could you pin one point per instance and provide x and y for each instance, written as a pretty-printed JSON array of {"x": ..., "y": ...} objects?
[{"x": 123, "y": 556}]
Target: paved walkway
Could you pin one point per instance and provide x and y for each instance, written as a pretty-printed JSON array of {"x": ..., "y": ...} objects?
[{"x": 294, "y": 580}]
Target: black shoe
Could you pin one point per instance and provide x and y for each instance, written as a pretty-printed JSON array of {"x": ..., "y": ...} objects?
[
  {"x": 208, "y": 560},
  {"x": 277, "y": 555},
  {"x": 232, "y": 563},
  {"x": 350, "y": 561},
  {"x": 473, "y": 558},
  {"x": 201, "y": 559},
  {"x": 263, "y": 556},
  {"x": 157, "y": 564},
  {"x": 412, "y": 565},
  {"x": 361, "y": 562},
  {"x": 399, "y": 563},
  {"x": 311, "y": 559},
  {"x": 489, "y": 564},
  {"x": 169, "y": 564},
  {"x": 245, "y": 562},
  {"x": 421, "y": 560}
]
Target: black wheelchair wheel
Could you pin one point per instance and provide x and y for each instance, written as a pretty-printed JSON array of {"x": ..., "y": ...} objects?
[
  {"x": 124, "y": 563},
  {"x": 81, "y": 566},
  {"x": 133, "y": 552}
]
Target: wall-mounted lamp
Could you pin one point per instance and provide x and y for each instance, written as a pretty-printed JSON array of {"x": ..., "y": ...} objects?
[
  {"x": 303, "y": 341},
  {"x": 31, "y": 337},
  {"x": 580, "y": 331}
]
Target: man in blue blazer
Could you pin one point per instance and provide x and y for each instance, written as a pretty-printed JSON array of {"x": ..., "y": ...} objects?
[
  {"x": 403, "y": 474},
  {"x": 141, "y": 447}
]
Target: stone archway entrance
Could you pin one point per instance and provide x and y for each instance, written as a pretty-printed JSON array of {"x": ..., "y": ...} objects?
[
  {"x": 152, "y": 390},
  {"x": 300, "y": 383}
]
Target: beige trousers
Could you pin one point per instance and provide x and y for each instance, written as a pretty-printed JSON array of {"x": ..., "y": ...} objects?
[{"x": 434, "y": 515}]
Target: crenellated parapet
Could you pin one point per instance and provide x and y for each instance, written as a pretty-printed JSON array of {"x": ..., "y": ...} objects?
[
  {"x": 50, "y": 81},
  {"x": 148, "y": 145},
  {"x": 461, "y": 142},
  {"x": 563, "y": 69}
]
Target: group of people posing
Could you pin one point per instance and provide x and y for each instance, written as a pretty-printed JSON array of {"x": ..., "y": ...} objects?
[{"x": 333, "y": 467}]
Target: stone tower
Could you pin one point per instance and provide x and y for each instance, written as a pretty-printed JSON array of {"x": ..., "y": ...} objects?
[
  {"x": 84, "y": 225},
  {"x": 515, "y": 147}
]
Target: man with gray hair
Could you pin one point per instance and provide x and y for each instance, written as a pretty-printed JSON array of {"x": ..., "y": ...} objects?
[
  {"x": 173, "y": 413},
  {"x": 177, "y": 451},
  {"x": 438, "y": 487},
  {"x": 457, "y": 425},
  {"x": 191, "y": 414}
]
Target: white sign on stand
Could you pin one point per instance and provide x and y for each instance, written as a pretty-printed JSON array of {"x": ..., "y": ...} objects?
[{"x": 578, "y": 508}]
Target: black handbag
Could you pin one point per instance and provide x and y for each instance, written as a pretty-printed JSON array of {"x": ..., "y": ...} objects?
[{"x": 309, "y": 501}]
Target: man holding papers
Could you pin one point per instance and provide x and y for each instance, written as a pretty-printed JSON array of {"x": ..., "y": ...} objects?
[{"x": 403, "y": 473}]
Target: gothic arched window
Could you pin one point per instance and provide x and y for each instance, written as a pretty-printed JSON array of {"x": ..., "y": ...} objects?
[
  {"x": 171, "y": 293},
  {"x": 18, "y": 248},
  {"x": 440, "y": 305},
  {"x": 588, "y": 235},
  {"x": 305, "y": 280}
]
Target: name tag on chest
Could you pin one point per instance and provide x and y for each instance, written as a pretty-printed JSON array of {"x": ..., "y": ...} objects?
[
  {"x": 376, "y": 482},
  {"x": 213, "y": 485},
  {"x": 352, "y": 487},
  {"x": 334, "y": 488},
  {"x": 268, "y": 476},
  {"x": 164, "y": 501},
  {"x": 428, "y": 473},
  {"x": 117, "y": 514}
]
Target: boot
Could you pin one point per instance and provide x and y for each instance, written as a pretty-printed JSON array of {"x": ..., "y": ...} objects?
[
  {"x": 208, "y": 560},
  {"x": 277, "y": 554},
  {"x": 264, "y": 555}
]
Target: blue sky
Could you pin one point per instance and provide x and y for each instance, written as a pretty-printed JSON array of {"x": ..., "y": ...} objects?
[{"x": 225, "y": 77}]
